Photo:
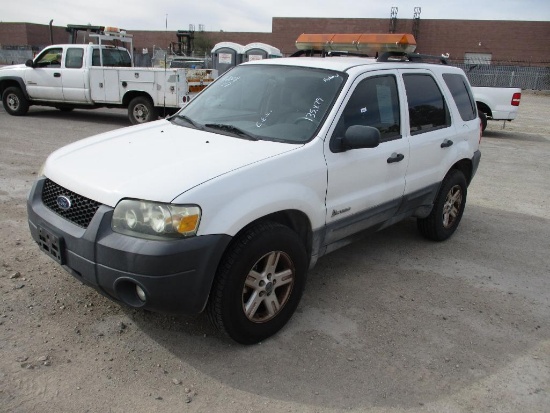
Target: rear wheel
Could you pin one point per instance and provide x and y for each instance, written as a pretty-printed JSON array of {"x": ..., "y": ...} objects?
[
  {"x": 448, "y": 208},
  {"x": 141, "y": 110},
  {"x": 483, "y": 119},
  {"x": 15, "y": 102},
  {"x": 259, "y": 283}
]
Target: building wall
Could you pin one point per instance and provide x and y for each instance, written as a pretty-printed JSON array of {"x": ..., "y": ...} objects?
[
  {"x": 30, "y": 34},
  {"x": 507, "y": 41}
]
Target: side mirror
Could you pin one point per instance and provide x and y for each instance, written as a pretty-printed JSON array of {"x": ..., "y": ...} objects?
[
  {"x": 356, "y": 137},
  {"x": 29, "y": 63}
]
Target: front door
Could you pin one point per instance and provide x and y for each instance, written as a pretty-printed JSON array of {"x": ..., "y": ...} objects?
[
  {"x": 365, "y": 186},
  {"x": 44, "y": 80}
]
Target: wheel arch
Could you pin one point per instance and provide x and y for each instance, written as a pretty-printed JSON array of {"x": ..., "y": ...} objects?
[
  {"x": 466, "y": 167},
  {"x": 13, "y": 81},
  {"x": 293, "y": 219},
  {"x": 483, "y": 107},
  {"x": 128, "y": 96}
]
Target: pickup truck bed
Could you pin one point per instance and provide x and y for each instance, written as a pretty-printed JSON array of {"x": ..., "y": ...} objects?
[{"x": 497, "y": 103}]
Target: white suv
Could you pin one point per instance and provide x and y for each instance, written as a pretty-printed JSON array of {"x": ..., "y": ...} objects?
[{"x": 224, "y": 206}]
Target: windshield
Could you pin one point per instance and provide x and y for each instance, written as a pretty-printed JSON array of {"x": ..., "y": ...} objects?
[
  {"x": 187, "y": 64},
  {"x": 281, "y": 103}
]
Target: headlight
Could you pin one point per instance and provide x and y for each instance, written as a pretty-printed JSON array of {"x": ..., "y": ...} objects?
[{"x": 155, "y": 220}]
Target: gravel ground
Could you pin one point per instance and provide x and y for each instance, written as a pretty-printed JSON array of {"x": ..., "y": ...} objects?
[{"x": 393, "y": 323}]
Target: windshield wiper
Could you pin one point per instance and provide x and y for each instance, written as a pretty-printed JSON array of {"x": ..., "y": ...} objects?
[
  {"x": 232, "y": 129},
  {"x": 188, "y": 120}
]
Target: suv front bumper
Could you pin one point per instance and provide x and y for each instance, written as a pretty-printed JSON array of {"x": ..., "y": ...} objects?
[{"x": 175, "y": 275}]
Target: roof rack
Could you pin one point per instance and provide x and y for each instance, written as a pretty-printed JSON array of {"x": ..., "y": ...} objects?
[
  {"x": 411, "y": 57},
  {"x": 325, "y": 53}
]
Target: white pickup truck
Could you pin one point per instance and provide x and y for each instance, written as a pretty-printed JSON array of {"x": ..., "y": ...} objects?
[
  {"x": 497, "y": 103},
  {"x": 68, "y": 76}
]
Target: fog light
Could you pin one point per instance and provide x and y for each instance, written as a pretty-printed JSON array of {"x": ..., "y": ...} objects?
[{"x": 140, "y": 293}]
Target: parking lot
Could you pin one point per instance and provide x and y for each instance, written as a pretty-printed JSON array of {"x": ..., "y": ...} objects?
[{"x": 393, "y": 323}]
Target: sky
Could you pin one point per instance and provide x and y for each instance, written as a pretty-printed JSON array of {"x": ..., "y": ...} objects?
[{"x": 254, "y": 15}]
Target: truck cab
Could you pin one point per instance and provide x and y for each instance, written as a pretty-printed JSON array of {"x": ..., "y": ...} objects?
[{"x": 60, "y": 72}]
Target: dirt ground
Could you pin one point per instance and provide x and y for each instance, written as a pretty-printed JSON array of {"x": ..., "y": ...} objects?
[{"x": 393, "y": 323}]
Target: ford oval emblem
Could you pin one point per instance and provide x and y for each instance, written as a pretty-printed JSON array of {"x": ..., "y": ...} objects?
[{"x": 63, "y": 202}]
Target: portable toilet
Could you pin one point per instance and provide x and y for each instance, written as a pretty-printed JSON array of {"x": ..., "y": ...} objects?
[
  {"x": 226, "y": 55},
  {"x": 259, "y": 51}
]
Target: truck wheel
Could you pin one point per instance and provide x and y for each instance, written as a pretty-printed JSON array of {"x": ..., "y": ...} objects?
[
  {"x": 448, "y": 208},
  {"x": 259, "y": 283},
  {"x": 141, "y": 110},
  {"x": 483, "y": 118},
  {"x": 15, "y": 102}
]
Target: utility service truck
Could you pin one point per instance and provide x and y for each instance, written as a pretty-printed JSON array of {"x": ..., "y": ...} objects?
[{"x": 88, "y": 76}]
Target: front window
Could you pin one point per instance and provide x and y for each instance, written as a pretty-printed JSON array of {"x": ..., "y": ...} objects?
[
  {"x": 50, "y": 58},
  {"x": 280, "y": 103},
  {"x": 374, "y": 102}
]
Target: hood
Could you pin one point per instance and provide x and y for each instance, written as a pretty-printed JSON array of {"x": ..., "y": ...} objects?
[
  {"x": 157, "y": 161},
  {"x": 12, "y": 67}
]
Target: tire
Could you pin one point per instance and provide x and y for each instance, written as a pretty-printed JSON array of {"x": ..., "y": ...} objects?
[
  {"x": 141, "y": 110},
  {"x": 448, "y": 208},
  {"x": 259, "y": 283},
  {"x": 483, "y": 118},
  {"x": 15, "y": 102}
]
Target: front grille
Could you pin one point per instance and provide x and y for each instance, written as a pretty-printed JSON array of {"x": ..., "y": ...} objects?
[{"x": 81, "y": 210}]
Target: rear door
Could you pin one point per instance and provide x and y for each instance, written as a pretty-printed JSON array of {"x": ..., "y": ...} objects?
[
  {"x": 431, "y": 133},
  {"x": 365, "y": 186},
  {"x": 74, "y": 75}
]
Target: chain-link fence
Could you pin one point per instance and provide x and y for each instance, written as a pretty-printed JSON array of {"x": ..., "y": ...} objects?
[
  {"x": 520, "y": 75},
  {"x": 494, "y": 75},
  {"x": 10, "y": 55}
]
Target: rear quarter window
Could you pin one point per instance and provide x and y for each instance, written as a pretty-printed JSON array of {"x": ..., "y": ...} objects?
[{"x": 458, "y": 86}]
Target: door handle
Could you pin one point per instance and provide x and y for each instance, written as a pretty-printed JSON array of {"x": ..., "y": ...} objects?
[
  {"x": 446, "y": 143},
  {"x": 57, "y": 74},
  {"x": 396, "y": 157}
]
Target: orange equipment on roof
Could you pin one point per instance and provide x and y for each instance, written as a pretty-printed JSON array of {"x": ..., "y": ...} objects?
[{"x": 367, "y": 43}]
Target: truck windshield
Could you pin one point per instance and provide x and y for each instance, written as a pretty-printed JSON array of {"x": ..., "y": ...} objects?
[{"x": 269, "y": 102}]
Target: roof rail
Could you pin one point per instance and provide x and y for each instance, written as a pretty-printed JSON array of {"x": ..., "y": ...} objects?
[{"x": 411, "y": 57}]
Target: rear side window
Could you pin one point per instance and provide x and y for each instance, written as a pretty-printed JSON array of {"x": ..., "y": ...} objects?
[
  {"x": 458, "y": 85},
  {"x": 74, "y": 57},
  {"x": 427, "y": 107}
]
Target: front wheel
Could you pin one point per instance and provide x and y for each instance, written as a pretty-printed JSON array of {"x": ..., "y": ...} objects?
[
  {"x": 259, "y": 283},
  {"x": 15, "y": 102},
  {"x": 141, "y": 110},
  {"x": 448, "y": 208}
]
